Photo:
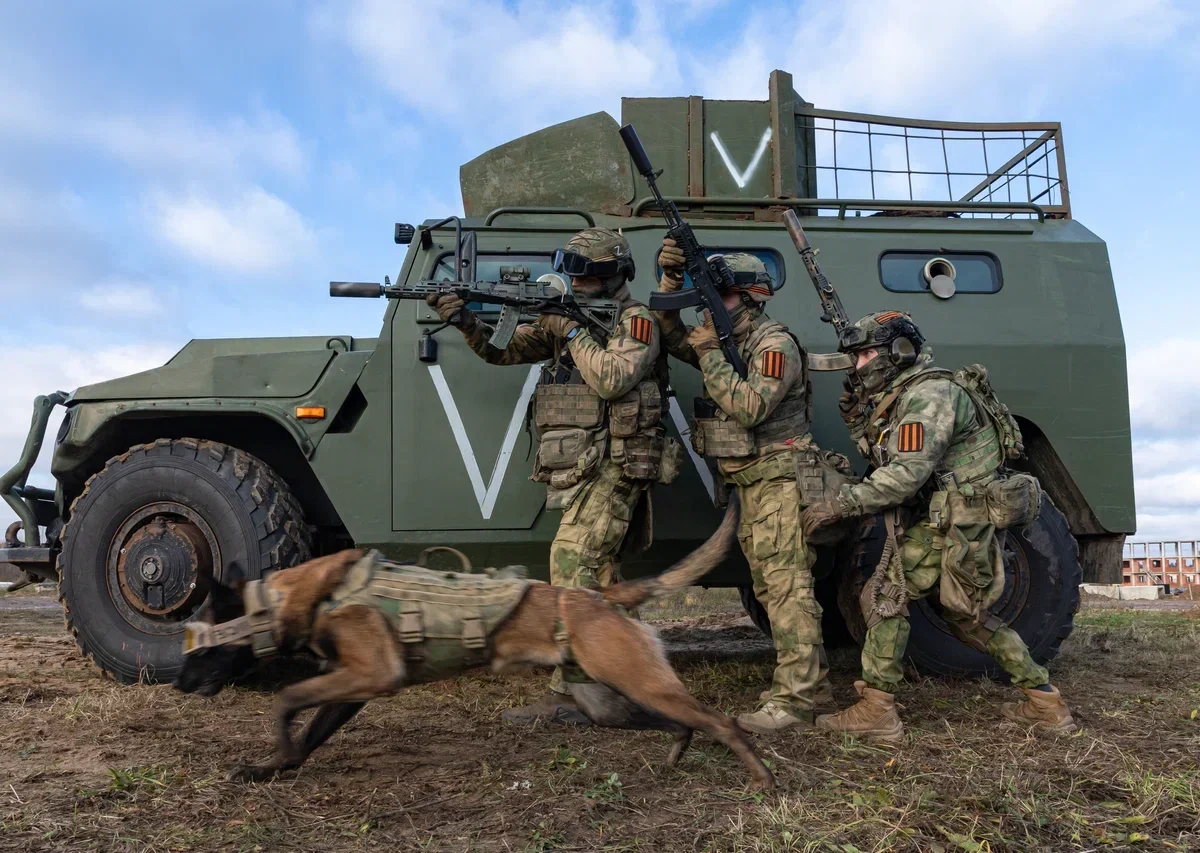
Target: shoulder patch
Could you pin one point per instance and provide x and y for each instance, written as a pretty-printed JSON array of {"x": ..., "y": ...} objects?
[
  {"x": 911, "y": 438},
  {"x": 641, "y": 328},
  {"x": 772, "y": 363}
]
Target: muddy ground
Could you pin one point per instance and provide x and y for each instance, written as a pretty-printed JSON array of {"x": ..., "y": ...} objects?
[{"x": 86, "y": 764}]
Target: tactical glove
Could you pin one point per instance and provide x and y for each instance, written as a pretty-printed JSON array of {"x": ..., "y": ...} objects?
[
  {"x": 556, "y": 324},
  {"x": 702, "y": 339},
  {"x": 447, "y": 305},
  {"x": 850, "y": 406},
  {"x": 671, "y": 259},
  {"x": 820, "y": 515}
]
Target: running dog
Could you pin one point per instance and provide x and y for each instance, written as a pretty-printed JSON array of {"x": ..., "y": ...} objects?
[{"x": 375, "y": 651}]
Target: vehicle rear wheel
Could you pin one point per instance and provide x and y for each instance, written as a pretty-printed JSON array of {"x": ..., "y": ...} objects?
[
  {"x": 1041, "y": 595},
  {"x": 150, "y": 532}
]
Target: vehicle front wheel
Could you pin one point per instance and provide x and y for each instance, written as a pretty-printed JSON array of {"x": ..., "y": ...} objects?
[
  {"x": 1041, "y": 595},
  {"x": 149, "y": 534}
]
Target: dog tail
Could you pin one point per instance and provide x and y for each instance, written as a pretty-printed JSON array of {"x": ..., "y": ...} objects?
[{"x": 684, "y": 573}]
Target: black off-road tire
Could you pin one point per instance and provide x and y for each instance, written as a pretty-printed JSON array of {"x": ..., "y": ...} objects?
[
  {"x": 232, "y": 503},
  {"x": 1041, "y": 595}
]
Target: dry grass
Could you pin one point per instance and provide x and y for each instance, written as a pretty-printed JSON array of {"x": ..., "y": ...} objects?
[{"x": 90, "y": 765}]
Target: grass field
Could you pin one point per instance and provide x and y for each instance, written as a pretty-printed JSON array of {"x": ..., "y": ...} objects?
[{"x": 87, "y": 764}]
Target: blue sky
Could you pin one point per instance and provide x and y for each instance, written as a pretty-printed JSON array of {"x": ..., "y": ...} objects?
[{"x": 170, "y": 171}]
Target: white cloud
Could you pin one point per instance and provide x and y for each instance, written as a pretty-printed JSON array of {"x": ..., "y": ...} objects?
[
  {"x": 486, "y": 67},
  {"x": 1164, "y": 393},
  {"x": 254, "y": 232},
  {"x": 121, "y": 297},
  {"x": 896, "y": 55}
]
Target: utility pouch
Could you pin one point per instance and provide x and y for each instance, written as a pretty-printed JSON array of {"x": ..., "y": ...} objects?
[
  {"x": 567, "y": 406},
  {"x": 1013, "y": 501},
  {"x": 673, "y": 456},
  {"x": 623, "y": 415},
  {"x": 964, "y": 509},
  {"x": 561, "y": 448},
  {"x": 820, "y": 475},
  {"x": 939, "y": 515},
  {"x": 650, "y": 405}
]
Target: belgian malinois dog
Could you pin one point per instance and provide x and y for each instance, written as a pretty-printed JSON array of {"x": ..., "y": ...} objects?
[{"x": 634, "y": 686}]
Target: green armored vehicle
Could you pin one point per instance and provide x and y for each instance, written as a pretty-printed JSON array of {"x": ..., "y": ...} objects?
[{"x": 268, "y": 451}]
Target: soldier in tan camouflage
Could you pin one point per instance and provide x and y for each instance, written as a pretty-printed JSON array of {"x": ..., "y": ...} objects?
[
  {"x": 597, "y": 409},
  {"x": 754, "y": 428},
  {"x": 941, "y": 440}
]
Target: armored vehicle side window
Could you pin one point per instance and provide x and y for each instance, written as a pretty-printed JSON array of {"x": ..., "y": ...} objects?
[
  {"x": 769, "y": 257},
  {"x": 910, "y": 271},
  {"x": 487, "y": 268}
]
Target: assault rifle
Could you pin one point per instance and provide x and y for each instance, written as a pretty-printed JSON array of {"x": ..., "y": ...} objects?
[
  {"x": 709, "y": 278},
  {"x": 514, "y": 292}
]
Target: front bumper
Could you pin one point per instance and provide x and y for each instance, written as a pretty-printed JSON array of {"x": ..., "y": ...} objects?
[{"x": 33, "y": 506}]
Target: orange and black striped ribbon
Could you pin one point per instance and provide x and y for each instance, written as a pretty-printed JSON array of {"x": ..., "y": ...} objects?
[
  {"x": 772, "y": 364},
  {"x": 911, "y": 438},
  {"x": 641, "y": 329},
  {"x": 886, "y": 316}
]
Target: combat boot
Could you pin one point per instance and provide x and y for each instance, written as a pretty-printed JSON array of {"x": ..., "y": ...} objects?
[
  {"x": 771, "y": 718},
  {"x": 1041, "y": 709},
  {"x": 874, "y": 717},
  {"x": 551, "y": 708},
  {"x": 822, "y": 697}
]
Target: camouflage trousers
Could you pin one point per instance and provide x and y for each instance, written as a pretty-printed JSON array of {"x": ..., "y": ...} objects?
[
  {"x": 781, "y": 568},
  {"x": 921, "y": 551},
  {"x": 586, "y": 551}
]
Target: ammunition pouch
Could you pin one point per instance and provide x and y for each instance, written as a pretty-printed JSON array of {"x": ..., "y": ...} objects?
[
  {"x": 1013, "y": 501},
  {"x": 566, "y": 459},
  {"x": 671, "y": 464},
  {"x": 639, "y": 455}
]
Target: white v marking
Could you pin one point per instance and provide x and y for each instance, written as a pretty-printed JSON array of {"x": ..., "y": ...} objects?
[
  {"x": 742, "y": 178},
  {"x": 685, "y": 431},
  {"x": 485, "y": 494}
]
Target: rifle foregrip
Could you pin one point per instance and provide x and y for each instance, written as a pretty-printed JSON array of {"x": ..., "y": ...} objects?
[{"x": 796, "y": 231}]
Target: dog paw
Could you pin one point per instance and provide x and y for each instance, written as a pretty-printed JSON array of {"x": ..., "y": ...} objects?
[{"x": 252, "y": 772}]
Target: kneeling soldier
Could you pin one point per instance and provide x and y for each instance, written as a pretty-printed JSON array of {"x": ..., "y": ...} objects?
[
  {"x": 598, "y": 409},
  {"x": 938, "y": 440},
  {"x": 756, "y": 428}
]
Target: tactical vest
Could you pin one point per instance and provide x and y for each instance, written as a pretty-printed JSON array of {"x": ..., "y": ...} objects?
[
  {"x": 975, "y": 458},
  {"x": 720, "y": 436},
  {"x": 577, "y": 429},
  {"x": 443, "y": 619}
]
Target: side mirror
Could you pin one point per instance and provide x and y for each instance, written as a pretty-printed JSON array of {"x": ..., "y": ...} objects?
[{"x": 467, "y": 255}]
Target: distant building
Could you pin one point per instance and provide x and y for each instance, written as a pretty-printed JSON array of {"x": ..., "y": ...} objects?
[{"x": 1170, "y": 563}]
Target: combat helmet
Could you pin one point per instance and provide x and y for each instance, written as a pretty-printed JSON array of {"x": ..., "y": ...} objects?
[
  {"x": 750, "y": 276},
  {"x": 599, "y": 252},
  {"x": 894, "y": 334}
]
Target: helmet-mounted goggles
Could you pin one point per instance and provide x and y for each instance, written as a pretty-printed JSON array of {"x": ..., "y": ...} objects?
[{"x": 577, "y": 265}]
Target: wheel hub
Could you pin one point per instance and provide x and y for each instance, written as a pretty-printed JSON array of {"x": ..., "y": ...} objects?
[{"x": 164, "y": 562}]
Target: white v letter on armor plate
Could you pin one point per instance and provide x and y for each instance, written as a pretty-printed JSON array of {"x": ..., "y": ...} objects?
[
  {"x": 742, "y": 178},
  {"x": 485, "y": 494}
]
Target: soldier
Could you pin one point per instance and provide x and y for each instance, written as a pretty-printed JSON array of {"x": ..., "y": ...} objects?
[
  {"x": 937, "y": 442},
  {"x": 597, "y": 409},
  {"x": 753, "y": 427}
]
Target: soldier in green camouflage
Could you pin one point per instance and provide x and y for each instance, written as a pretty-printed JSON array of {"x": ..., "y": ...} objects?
[
  {"x": 937, "y": 444},
  {"x": 597, "y": 409},
  {"x": 754, "y": 427}
]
